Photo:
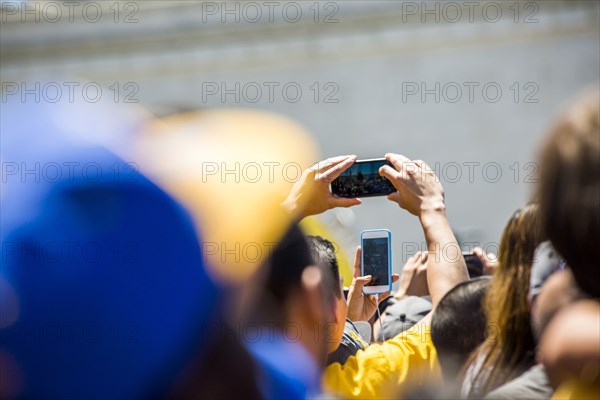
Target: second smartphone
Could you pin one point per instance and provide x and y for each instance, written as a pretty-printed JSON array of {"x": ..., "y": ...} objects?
[
  {"x": 376, "y": 260},
  {"x": 362, "y": 179},
  {"x": 474, "y": 265}
]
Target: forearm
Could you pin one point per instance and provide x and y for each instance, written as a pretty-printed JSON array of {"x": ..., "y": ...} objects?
[{"x": 446, "y": 267}]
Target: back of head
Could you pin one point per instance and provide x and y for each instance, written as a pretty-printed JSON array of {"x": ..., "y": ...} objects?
[
  {"x": 458, "y": 324},
  {"x": 286, "y": 264},
  {"x": 507, "y": 303},
  {"x": 521, "y": 236},
  {"x": 512, "y": 348},
  {"x": 290, "y": 302},
  {"x": 569, "y": 190},
  {"x": 335, "y": 302},
  {"x": 323, "y": 253}
]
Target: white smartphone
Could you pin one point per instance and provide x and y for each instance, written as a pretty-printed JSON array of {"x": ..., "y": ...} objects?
[{"x": 376, "y": 260}]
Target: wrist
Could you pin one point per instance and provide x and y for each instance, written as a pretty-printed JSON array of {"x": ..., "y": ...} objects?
[
  {"x": 290, "y": 206},
  {"x": 432, "y": 213}
]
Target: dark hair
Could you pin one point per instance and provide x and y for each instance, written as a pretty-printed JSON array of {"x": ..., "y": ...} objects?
[
  {"x": 510, "y": 349},
  {"x": 324, "y": 253},
  {"x": 287, "y": 263},
  {"x": 569, "y": 190},
  {"x": 458, "y": 324}
]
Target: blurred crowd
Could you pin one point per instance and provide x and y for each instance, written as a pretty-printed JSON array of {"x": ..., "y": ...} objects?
[{"x": 144, "y": 258}]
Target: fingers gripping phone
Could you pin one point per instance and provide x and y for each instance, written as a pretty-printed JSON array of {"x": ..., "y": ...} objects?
[
  {"x": 362, "y": 179},
  {"x": 376, "y": 260}
]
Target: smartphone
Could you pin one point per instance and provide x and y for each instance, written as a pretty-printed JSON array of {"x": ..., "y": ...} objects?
[
  {"x": 376, "y": 260},
  {"x": 362, "y": 179},
  {"x": 474, "y": 265}
]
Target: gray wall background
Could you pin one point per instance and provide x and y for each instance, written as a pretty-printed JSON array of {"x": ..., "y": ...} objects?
[{"x": 367, "y": 54}]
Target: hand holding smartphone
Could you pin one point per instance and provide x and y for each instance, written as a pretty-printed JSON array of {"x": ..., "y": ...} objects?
[
  {"x": 376, "y": 260},
  {"x": 474, "y": 264},
  {"x": 362, "y": 179}
]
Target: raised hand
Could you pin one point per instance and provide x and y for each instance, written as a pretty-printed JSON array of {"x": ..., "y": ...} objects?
[
  {"x": 413, "y": 280},
  {"x": 362, "y": 307},
  {"x": 311, "y": 194},
  {"x": 419, "y": 190},
  {"x": 489, "y": 260}
]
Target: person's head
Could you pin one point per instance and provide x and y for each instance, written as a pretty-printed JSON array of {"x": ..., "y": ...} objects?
[
  {"x": 324, "y": 253},
  {"x": 511, "y": 350},
  {"x": 458, "y": 325},
  {"x": 569, "y": 189},
  {"x": 294, "y": 293}
]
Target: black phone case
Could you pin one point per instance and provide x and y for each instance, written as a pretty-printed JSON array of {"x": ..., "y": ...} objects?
[{"x": 337, "y": 187}]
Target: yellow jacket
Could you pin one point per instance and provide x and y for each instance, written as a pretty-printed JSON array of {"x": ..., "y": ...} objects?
[{"x": 385, "y": 370}]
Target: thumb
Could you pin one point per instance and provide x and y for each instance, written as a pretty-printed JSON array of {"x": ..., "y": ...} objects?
[
  {"x": 395, "y": 197},
  {"x": 357, "y": 264},
  {"x": 344, "y": 202},
  {"x": 360, "y": 281}
]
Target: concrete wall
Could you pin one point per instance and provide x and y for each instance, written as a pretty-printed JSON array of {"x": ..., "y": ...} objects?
[{"x": 366, "y": 61}]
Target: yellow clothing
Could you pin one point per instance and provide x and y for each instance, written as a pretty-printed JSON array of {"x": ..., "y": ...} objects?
[
  {"x": 384, "y": 370},
  {"x": 573, "y": 390}
]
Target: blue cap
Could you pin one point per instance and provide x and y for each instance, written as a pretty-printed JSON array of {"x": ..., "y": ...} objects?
[{"x": 103, "y": 291}]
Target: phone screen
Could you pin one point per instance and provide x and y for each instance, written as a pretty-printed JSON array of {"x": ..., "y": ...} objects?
[
  {"x": 362, "y": 179},
  {"x": 376, "y": 260},
  {"x": 474, "y": 265}
]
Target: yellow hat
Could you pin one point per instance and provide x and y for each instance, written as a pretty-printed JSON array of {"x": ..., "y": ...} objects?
[{"x": 231, "y": 168}]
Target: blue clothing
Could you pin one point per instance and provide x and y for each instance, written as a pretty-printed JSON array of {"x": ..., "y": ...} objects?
[
  {"x": 286, "y": 369},
  {"x": 101, "y": 272}
]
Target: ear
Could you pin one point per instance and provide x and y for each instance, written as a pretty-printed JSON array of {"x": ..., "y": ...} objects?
[
  {"x": 312, "y": 281},
  {"x": 333, "y": 306}
]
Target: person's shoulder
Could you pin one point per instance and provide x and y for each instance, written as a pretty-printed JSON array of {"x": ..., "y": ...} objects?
[
  {"x": 401, "y": 315},
  {"x": 418, "y": 335},
  {"x": 382, "y": 368},
  {"x": 571, "y": 340},
  {"x": 394, "y": 352},
  {"x": 350, "y": 344},
  {"x": 573, "y": 324},
  {"x": 532, "y": 384},
  {"x": 413, "y": 343},
  {"x": 571, "y": 343}
]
